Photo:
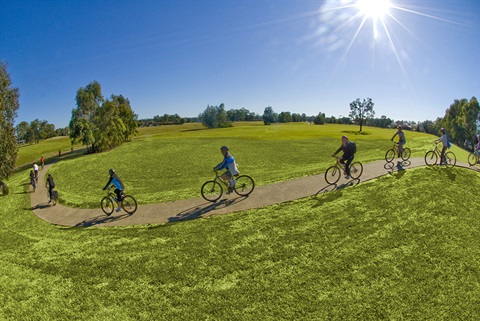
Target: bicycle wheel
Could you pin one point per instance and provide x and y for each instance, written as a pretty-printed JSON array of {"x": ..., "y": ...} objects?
[
  {"x": 129, "y": 204},
  {"x": 356, "y": 170},
  {"x": 211, "y": 191},
  {"x": 450, "y": 159},
  {"x": 332, "y": 175},
  {"x": 389, "y": 155},
  {"x": 472, "y": 159},
  {"x": 406, "y": 154},
  {"x": 431, "y": 158},
  {"x": 107, "y": 205},
  {"x": 244, "y": 185}
]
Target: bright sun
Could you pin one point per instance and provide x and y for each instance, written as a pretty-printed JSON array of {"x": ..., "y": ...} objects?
[{"x": 375, "y": 9}]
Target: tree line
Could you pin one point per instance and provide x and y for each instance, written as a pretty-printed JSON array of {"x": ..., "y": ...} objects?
[{"x": 37, "y": 130}]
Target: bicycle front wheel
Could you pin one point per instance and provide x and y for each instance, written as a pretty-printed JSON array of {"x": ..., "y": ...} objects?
[
  {"x": 389, "y": 155},
  {"x": 430, "y": 158},
  {"x": 356, "y": 170},
  {"x": 406, "y": 154},
  {"x": 472, "y": 159},
  {"x": 332, "y": 175},
  {"x": 129, "y": 204},
  {"x": 211, "y": 191},
  {"x": 244, "y": 185},
  {"x": 107, "y": 205},
  {"x": 450, "y": 159}
]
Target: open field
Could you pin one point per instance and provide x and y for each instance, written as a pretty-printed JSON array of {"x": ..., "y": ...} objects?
[
  {"x": 403, "y": 246},
  {"x": 171, "y": 162}
]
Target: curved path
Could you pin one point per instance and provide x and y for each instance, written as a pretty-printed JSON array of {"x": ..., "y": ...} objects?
[{"x": 198, "y": 207}]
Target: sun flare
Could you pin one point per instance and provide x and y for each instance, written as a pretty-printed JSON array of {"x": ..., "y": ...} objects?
[{"x": 375, "y": 9}]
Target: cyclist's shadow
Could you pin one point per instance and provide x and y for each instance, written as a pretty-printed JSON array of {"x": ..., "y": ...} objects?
[
  {"x": 102, "y": 219},
  {"x": 332, "y": 192},
  {"x": 199, "y": 210}
]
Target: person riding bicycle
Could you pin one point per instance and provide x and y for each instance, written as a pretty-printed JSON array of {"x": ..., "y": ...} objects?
[
  {"x": 50, "y": 184},
  {"x": 349, "y": 149},
  {"x": 117, "y": 182},
  {"x": 230, "y": 165},
  {"x": 444, "y": 140},
  {"x": 477, "y": 147},
  {"x": 401, "y": 140}
]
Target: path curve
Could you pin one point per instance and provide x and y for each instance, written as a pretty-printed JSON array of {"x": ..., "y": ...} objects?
[{"x": 198, "y": 207}]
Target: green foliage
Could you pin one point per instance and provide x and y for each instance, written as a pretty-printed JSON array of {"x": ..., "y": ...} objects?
[
  {"x": 102, "y": 124},
  {"x": 319, "y": 119},
  {"x": 214, "y": 117},
  {"x": 9, "y": 97},
  {"x": 269, "y": 116},
  {"x": 361, "y": 111},
  {"x": 461, "y": 119},
  {"x": 402, "y": 247}
]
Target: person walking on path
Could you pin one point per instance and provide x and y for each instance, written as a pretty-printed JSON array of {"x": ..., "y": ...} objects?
[
  {"x": 50, "y": 184},
  {"x": 42, "y": 161},
  {"x": 33, "y": 180},
  {"x": 349, "y": 149},
  {"x": 444, "y": 140},
  {"x": 230, "y": 165},
  {"x": 401, "y": 140},
  {"x": 117, "y": 182}
]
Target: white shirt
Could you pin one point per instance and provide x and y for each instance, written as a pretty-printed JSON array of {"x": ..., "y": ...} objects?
[{"x": 35, "y": 167}]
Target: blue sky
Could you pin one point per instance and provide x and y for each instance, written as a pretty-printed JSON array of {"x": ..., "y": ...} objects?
[{"x": 298, "y": 56}]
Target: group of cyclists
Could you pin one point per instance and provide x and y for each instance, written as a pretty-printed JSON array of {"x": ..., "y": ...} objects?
[{"x": 231, "y": 170}]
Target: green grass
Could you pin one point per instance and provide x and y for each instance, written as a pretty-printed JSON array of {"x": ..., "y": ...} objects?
[
  {"x": 408, "y": 253},
  {"x": 168, "y": 163}
]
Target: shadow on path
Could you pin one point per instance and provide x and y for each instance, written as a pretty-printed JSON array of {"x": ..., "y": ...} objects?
[
  {"x": 199, "y": 210},
  {"x": 101, "y": 219}
]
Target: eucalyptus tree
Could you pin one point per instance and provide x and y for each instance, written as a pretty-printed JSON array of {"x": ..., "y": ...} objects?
[{"x": 361, "y": 111}]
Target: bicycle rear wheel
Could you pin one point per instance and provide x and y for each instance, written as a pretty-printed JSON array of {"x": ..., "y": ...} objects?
[
  {"x": 211, "y": 191},
  {"x": 356, "y": 170},
  {"x": 332, "y": 175},
  {"x": 472, "y": 159},
  {"x": 389, "y": 155},
  {"x": 107, "y": 205},
  {"x": 244, "y": 185},
  {"x": 430, "y": 158},
  {"x": 450, "y": 159},
  {"x": 129, "y": 204},
  {"x": 406, "y": 154}
]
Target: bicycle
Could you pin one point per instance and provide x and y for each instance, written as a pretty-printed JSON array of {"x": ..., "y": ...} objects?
[
  {"x": 129, "y": 204},
  {"x": 392, "y": 152},
  {"x": 213, "y": 190},
  {"x": 432, "y": 156},
  {"x": 333, "y": 173},
  {"x": 473, "y": 158}
]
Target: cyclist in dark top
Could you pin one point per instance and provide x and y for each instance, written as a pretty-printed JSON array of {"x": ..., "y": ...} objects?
[
  {"x": 349, "y": 150},
  {"x": 401, "y": 140},
  {"x": 50, "y": 184},
  {"x": 115, "y": 180}
]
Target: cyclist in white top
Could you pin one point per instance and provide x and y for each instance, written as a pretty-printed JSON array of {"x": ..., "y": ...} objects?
[{"x": 444, "y": 140}]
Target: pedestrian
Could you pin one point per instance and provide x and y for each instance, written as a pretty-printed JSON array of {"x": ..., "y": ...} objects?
[
  {"x": 50, "y": 184},
  {"x": 32, "y": 180},
  {"x": 42, "y": 160},
  {"x": 35, "y": 171}
]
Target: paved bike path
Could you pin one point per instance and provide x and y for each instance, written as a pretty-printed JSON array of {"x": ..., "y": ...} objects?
[{"x": 198, "y": 207}]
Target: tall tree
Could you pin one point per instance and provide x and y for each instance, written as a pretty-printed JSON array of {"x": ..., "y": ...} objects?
[
  {"x": 8, "y": 112},
  {"x": 126, "y": 114},
  {"x": 215, "y": 117},
  {"x": 269, "y": 116},
  {"x": 461, "y": 119},
  {"x": 22, "y": 130},
  {"x": 82, "y": 125},
  {"x": 360, "y": 111}
]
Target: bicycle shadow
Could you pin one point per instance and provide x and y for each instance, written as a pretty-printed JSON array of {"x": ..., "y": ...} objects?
[
  {"x": 199, "y": 210},
  {"x": 400, "y": 166},
  {"x": 101, "y": 219},
  {"x": 332, "y": 192}
]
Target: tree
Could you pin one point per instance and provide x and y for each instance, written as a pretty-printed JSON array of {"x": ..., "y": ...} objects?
[
  {"x": 319, "y": 119},
  {"x": 214, "y": 117},
  {"x": 360, "y": 111},
  {"x": 269, "y": 116},
  {"x": 461, "y": 119},
  {"x": 8, "y": 112},
  {"x": 82, "y": 124},
  {"x": 127, "y": 115},
  {"x": 22, "y": 130},
  {"x": 285, "y": 117}
]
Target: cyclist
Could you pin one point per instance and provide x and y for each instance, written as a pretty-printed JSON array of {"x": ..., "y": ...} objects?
[
  {"x": 32, "y": 180},
  {"x": 50, "y": 184},
  {"x": 349, "y": 148},
  {"x": 35, "y": 170},
  {"x": 444, "y": 140},
  {"x": 401, "y": 140},
  {"x": 117, "y": 182},
  {"x": 230, "y": 165}
]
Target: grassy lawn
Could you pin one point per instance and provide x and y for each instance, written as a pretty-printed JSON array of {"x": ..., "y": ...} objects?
[
  {"x": 411, "y": 252},
  {"x": 171, "y": 162}
]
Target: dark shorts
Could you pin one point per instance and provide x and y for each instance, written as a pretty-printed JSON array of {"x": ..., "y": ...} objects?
[{"x": 119, "y": 194}]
